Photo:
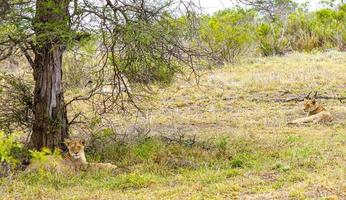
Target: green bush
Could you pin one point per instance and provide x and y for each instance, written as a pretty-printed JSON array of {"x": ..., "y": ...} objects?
[
  {"x": 16, "y": 102},
  {"x": 330, "y": 25},
  {"x": 228, "y": 33},
  {"x": 271, "y": 38},
  {"x": 300, "y": 32},
  {"x": 8, "y": 144},
  {"x": 325, "y": 28}
]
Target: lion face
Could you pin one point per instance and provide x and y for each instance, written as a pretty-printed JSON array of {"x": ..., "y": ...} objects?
[
  {"x": 310, "y": 105},
  {"x": 75, "y": 148}
]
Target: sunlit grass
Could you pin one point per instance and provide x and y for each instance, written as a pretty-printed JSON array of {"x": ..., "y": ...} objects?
[{"x": 249, "y": 152}]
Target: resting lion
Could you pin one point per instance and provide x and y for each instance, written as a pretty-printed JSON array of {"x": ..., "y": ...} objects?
[
  {"x": 74, "y": 160},
  {"x": 76, "y": 157},
  {"x": 316, "y": 112}
]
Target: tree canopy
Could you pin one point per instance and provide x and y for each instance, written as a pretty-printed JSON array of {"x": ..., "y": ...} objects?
[{"x": 138, "y": 39}]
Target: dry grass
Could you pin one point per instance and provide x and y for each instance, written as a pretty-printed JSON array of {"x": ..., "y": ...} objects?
[{"x": 268, "y": 159}]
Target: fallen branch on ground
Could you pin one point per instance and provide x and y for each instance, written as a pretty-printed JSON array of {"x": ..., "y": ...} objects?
[{"x": 298, "y": 98}]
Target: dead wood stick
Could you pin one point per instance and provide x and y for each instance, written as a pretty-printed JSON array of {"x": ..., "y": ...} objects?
[{"x": 299, "y": 98}]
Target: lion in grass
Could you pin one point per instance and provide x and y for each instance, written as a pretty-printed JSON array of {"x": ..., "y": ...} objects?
[
  {"x": 74, "y": 160},
  {"x": 316, "y": 112}
]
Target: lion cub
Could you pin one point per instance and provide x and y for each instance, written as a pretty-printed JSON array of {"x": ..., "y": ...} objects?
[
  {"x": 316, "y": 112},
  {"x": 76, "y": 157},
  {"x": 74, "y": 160}
]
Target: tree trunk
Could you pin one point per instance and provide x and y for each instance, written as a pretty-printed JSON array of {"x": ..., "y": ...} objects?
[
  {"x": 50, "y": 124},
  {"x": 51, "y": 26}
]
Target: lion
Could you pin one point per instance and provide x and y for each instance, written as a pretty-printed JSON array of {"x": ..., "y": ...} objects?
[
  {"x": 74, "y": 160},
  {"x": 316, "y": 112},
  {"x": 76, "y": 157}
]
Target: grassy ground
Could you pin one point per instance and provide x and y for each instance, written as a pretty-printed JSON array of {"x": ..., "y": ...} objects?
[{"x": 253, "y": 153}]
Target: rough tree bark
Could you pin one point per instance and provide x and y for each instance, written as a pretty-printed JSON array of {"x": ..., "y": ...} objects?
[{"x": 51, "y": 25}]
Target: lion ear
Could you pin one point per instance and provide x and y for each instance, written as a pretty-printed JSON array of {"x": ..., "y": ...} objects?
[
  {"x": 308, "y": 96},
  {"x": 82, "y": 141},
  {"x": 67, "y": 141}
]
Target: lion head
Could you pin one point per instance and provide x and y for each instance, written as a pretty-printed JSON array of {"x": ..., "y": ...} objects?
[
  {"x": 311, "y": 104},
  {"x": 75, "y": 148}
]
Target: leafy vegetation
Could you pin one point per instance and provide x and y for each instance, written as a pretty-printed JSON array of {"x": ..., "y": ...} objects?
[
  {"x": 225, "y": 138},
  {"x": 243, "y": 147},
  {"x": 15, "y": 102},
  {"x": 229, "y": 33},
  {"x": 8, "y": 145}
]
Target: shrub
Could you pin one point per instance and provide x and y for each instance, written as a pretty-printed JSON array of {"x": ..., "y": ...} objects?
[
  {"x": 300, "y": 33},
  {"x": 8, "y": 144},
  {"x": 16, "y": 101},
  {"x": 331, "y": 26},
  {"x": 325, "y": 28},
  {"x": 228, "y": 33},
  {"x": 271, "y": 38},
  {"x": 46, "y": 161}
]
